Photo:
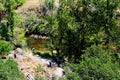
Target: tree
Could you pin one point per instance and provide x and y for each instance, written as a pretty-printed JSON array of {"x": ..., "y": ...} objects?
[
  {"x": 82, "y": 23},
  {"x": 97, "y": 64},
  {"x": 8, "y": 7}
]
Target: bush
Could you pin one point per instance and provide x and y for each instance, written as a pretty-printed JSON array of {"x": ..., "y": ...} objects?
[
  {"x": 18, "y": 20},
  {"x": 97, "y": 64},
  {"x": 5, "y": 47},
  {"x": 9, "y": 71},
  {"x": 12, "y": 4},
  {"x": 20, "y": 2},
  {"x": 19, "y": 37}
]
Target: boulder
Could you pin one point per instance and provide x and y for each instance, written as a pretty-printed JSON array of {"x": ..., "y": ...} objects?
[
  {"x": 11, "y": 56},
  {"x": 58, "y": 72},
  {"x": 19, "y": 51}
]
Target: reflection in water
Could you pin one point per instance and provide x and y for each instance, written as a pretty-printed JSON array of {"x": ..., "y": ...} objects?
[{"x": 38, "y": 43}]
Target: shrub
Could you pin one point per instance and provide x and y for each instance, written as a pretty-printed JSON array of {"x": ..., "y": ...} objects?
[
  {"x": 20, "y": 2},
  {"x": 9, "y": 71},
  {"x": 19, "y": 37},
  {"x": 18, "y": 20},
  {"x": 97, "y": 64},
  {"x": 5, "y": 47}
]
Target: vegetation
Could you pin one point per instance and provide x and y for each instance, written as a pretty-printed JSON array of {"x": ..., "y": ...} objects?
[
  {"x": 83, "y": 32},
  {"x": 9, "y": 71},
  {"x": 8, "y": 68},
  {"x": 5, "y": 47},
  {"x": 84, "y": 24},
  {"x": 96, "y": 64}
]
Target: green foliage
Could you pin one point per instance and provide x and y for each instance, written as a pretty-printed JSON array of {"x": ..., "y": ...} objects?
[
  {"x": 20, "y": 2},
  {"x": 18, "y": 20},
  {"x": 73, "y": 76},
  {"x": 5, "y": 47},
  {"x": 39, "y": 68},
  {"x": 9, "y": 6},
  {"x": 19, "y": 37},
  {"x": 34, "y": 24},
  {"x": 97, "y": 64},
  {"x": 4, "y": 31},
  {"x": 81, "y": 24},
  {"x": 1, "y": 7},
  {"x": 49, "y": 4},
  {"x": 9, "y": 71},
  {"x": 12, "y": 4}
]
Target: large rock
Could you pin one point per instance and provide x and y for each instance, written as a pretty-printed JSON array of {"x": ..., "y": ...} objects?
[
  {"x": 11, "y": 55},
  {"x": 19, "y": 51},
  {"x": 59, "y": 72}
]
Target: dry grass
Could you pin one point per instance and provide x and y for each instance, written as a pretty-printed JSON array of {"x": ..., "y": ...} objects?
[{"x": 28, "y": 4}]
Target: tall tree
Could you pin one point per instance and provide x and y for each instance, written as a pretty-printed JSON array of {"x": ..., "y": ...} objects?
[
  {"x": 81, "y": 21},
  {"x": 9, "y": 6}
]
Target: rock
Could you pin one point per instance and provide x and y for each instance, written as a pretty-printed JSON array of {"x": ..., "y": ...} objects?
[
  {"x": 12, "y": 52},
  {"x": 19, "y": 51},
  {"x": 32, "y": 35},
  {"x": 44, "y": 37},
  {"x": 19, "y": 58},
  {"x": 47, "y": 37},
  {"x": 55, "y": 51},
  {"x": 51, "y": 64},
  {"x": 40, "y": 36},
  {"x": 23, "y": 67},
  {"x": 11, "y": 56},
  {"x": 29, "y": 75},
  {"x": 45, "y": 61},
  {"x": 58, "y": 72}
]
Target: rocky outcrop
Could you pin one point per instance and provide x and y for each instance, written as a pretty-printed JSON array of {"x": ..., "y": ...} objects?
[{"x": 28, "y": 65}]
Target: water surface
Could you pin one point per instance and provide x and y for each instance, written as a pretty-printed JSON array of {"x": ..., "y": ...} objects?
[{"x": 38, "y": 43}]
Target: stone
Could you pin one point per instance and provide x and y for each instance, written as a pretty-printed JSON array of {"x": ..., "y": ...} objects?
[
  {"x": 58, "y": 72},
  {"x": 55, "y": 51},
  {"x": 11, "y": 56},
  {"x": 12, "y": 52},
  {"x": 32, "y": 35},
  {"x": 23, "y": 67},
  {"x": 19, "y": 51}
]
